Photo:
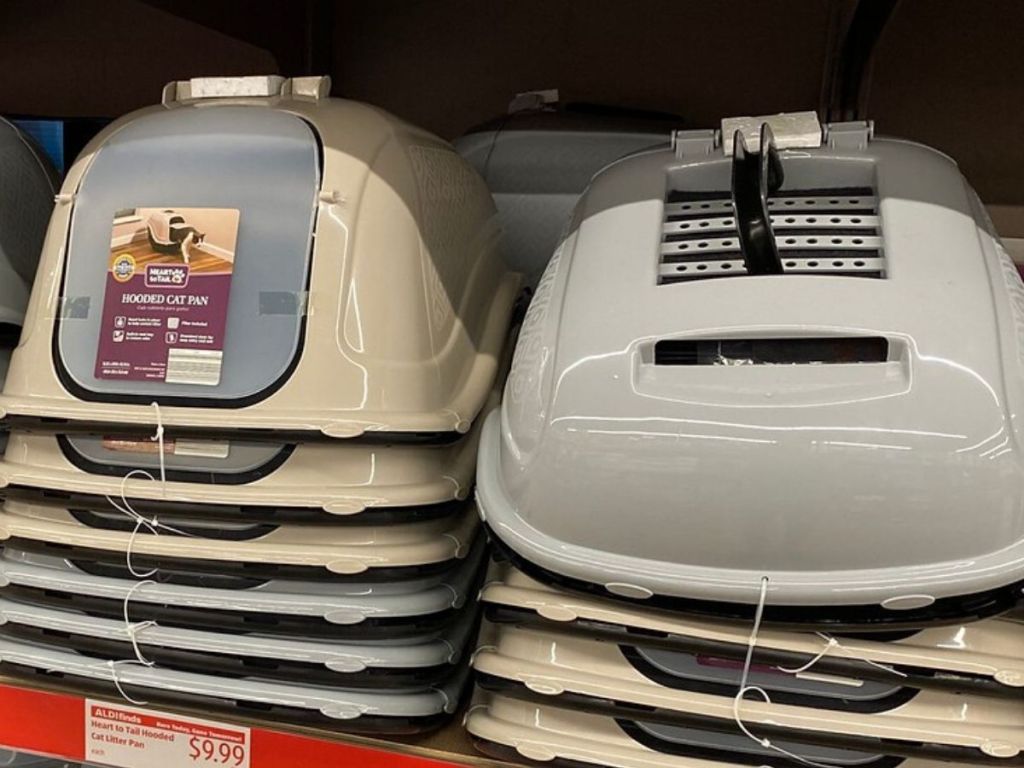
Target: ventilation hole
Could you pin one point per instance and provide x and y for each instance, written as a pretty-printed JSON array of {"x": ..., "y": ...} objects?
[
  {"x": 858, "y": 263},
  {"x": 810, "y": 202},
  {"x": 702, "y": 267},
  {"x": 812, "y": 263},
  {"x": 837, "y": 263},
  {"x": 726, "y": 243},
  {"x": 790, "y": 220},
  {"x": 790, "y": 241},
  {"x": 835, "y": 220},
  {"x": 812, "y": 241},
  {"x": 812, "y": 220},
  {"x": 683, "y": 246},
  {"x": 727, "y": 223},
  {"x": 791, "y": 202},
  {"x": 705, "y": 205},
  {"x": 703, "y": 244},
  {"x": 833, "y": 202},
  {"x": 681, "y": 268},
  {"x": 837, "y": 241},
  {"x": 855, "y": 221},
  {"x": 687, "y": 206},
  {"x": 704, "y": 223},
  {"x": 684, "y": 226},
  {"x": 790, "y": 263},
  {"x": 857, "y": 241},
  {"x": 727, "y": 265},
  {"x": 854, "y": 201}
]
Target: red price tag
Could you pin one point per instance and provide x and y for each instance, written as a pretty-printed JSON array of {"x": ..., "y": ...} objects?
[{"x": 131, "y": 737}]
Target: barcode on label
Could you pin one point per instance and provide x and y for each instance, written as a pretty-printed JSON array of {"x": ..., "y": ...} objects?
[{"x": 193, "y": 366}]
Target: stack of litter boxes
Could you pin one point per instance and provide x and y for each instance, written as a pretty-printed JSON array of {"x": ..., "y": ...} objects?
[
  {"x": 243, "y": 413},
  {"x": 756, "y": 476}
]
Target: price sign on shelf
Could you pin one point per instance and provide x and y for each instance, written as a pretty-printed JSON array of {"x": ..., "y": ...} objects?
[{"x": 131, "y": 737}]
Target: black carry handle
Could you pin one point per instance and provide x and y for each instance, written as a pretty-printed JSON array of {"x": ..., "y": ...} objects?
[{"x": 754, "y": 175}]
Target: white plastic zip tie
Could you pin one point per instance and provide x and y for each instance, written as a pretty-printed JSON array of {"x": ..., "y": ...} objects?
[
  {"x": 830, "y": 644},
  {"x": 159, "y": 439},
  {"x": 125, "y": 507},
  {"x": 737, "y": 701},
  {"x": 132, "y": 629},
  {"x": 151, "y": 524},
  {"x": 112, "y": 666}
]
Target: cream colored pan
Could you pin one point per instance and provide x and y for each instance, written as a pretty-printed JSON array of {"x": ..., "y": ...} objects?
[
  {"x": 983, "y": 657},
  {"x": 598, "y": 676},
  {"x": 327, "y": 337},
  {"x": 286, "y": 551},
  {"x": 341, "y": 478},
  {"x": 508, "y": 729}
]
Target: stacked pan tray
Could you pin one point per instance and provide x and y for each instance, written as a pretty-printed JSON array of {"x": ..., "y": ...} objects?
[
  {"x": 741, "y": 520},
  {"x": 244, "y": 414}
]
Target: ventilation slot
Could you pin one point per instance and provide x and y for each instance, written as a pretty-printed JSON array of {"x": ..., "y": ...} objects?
[
  {"x": 794, "y": 351},
  {"x": 821, "y": 231}
]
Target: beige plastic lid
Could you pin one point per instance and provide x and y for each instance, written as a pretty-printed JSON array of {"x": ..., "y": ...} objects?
[
  {"x": 989, "y": 648},
  {"x": 408, "y": 302},
  {"x": 343, "y": 550},
  {"x": 553, "y": 663},
  {"x": 548, "y": 733}
]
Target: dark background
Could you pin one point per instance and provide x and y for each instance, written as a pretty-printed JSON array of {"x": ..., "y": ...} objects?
[{"x": 947, "y": 72}]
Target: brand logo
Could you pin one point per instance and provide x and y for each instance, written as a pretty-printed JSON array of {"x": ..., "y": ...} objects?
[
  {"x": 123, "y": 268},
  {"x": 167, "y": 275}
]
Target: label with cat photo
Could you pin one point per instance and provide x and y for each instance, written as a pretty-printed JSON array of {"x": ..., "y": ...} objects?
[{"x": 166, "y": 301}]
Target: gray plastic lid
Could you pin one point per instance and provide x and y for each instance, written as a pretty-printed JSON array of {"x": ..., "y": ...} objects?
[
  {"x": 537, "y": 165},
  {"x": 27, "y": 186},
  {"x": 336, "y": 703},
  {"x": 263, "y": 162}
]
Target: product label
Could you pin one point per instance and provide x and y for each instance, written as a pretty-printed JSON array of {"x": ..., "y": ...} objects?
[
  {"x": 130, "y": 737},
  {"x": 208, "y": 449},
  {"x": 166, "y": 301}
]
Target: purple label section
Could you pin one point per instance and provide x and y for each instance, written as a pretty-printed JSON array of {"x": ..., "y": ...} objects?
[{"x": 172, "y": 331}]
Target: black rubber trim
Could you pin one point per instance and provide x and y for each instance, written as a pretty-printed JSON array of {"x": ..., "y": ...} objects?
[
  {"x": 913, "y": 677},
  {"x": 178, "y": 570},
  {"x": 873, "y": 706},
  {"x": 620, "y": 710},
  {"x": 176, "y": 475},
  {"x": 662, "y": 746},
  {"x": 49, "y": 425},
  {"x": 225, "y": 665},
  {"x": 236, "y": 622},
  {"x": 120, "y": 522},
  {"x": 366, "y": 724},
  {"x": 233, "y": 513},
  {"x": 960, "y": 609}
]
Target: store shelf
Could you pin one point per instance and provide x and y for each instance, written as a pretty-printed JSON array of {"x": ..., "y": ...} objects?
[{"x": 52, "y": 722}]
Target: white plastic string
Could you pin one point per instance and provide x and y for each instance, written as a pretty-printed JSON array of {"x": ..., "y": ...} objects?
[
  {"x": 159, "y": 438},
  {"x": 112, "y": 666},
  {"x": 737, "y": 701},
  {"x": 133, "y": 628},
  {"x": 830, "y": 644}
]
